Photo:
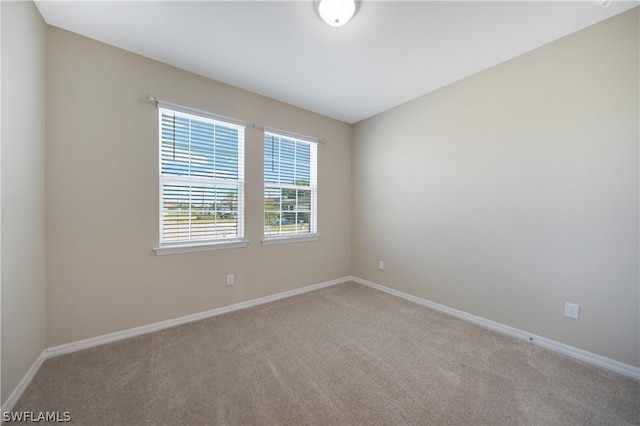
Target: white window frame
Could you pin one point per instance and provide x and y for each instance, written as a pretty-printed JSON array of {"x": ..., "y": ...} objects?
[
  {"x": 312, "y": 233},
  {"x": 192, "y": 245}
]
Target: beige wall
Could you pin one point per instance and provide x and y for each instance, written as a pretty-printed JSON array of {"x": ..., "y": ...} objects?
[
  {"x": 510, "y": 192},
  {"x": 22, "y": 224},
  {"x": 102, "y": 196}
]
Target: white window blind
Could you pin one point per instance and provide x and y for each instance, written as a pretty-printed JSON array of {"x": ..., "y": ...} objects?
[
  {"x": 201, "y": 179},
  {"x": 290, "y": 186}
]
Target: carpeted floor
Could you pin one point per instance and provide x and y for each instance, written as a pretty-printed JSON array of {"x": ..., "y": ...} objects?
[{"x": 343, "y": 355}]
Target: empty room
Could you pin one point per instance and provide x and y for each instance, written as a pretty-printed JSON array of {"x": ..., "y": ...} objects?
[{"x": 320, "y": 212}]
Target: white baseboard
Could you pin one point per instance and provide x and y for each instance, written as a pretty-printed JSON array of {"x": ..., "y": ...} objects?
[
  {"x": 573, "y": 352},
  {"x": 22, "y": 386},
  {"x": 150, "y": 328}
]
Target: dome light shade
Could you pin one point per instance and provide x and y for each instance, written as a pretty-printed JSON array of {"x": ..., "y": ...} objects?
[{"x": 336, "y": 12}]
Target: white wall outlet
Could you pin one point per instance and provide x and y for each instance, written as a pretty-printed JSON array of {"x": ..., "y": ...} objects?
[
  {"x": 230, "y": 279},
  {"x": 571, "y": 310},
  {"x": 381, "y": 264}
]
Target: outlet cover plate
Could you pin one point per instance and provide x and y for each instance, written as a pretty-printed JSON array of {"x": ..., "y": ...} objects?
[{"x": 571, "y": 310}]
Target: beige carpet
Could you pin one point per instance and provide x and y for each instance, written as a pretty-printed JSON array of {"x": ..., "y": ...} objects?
[{"x": 347, "y": 355}]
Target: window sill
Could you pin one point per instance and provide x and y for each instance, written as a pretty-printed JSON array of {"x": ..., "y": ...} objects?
[
  {"x": 289, "y": 239},
  {"x": 187, "y": 248}
]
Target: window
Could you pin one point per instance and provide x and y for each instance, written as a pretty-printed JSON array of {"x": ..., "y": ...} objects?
[
  {"x": 290, "y": 187},
  {"x": 201, "y": 180}
]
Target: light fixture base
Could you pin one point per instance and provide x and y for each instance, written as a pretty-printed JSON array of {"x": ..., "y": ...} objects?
[{"x": 336, "y": 12}]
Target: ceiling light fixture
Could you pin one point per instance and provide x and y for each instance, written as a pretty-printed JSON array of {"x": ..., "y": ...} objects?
[{"x": 336, "y": 12}]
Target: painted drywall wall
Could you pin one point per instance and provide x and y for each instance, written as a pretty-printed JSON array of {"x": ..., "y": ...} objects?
[
  {"x": 514, "y": 191},
  {"x": 102, "y": 196},
  {"x": 23, "y": 197}
]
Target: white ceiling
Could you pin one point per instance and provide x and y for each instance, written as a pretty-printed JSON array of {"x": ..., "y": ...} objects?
[{"x": 389, "y": 53}]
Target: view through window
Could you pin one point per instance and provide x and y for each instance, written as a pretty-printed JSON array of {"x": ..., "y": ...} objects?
[{"x": 290, "y": 186}]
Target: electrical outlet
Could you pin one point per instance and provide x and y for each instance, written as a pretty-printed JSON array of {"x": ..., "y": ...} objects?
[
  {"x": 571, "y": 310},
  {"x": 381, "y": 265},
  {"x": 230, "y": 279}
]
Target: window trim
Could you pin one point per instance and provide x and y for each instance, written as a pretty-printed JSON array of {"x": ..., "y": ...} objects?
[
  {"x": 289, "y": 238},
  {"x": 239, "y": 241},
  {"x": 188, "y": 248}
]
